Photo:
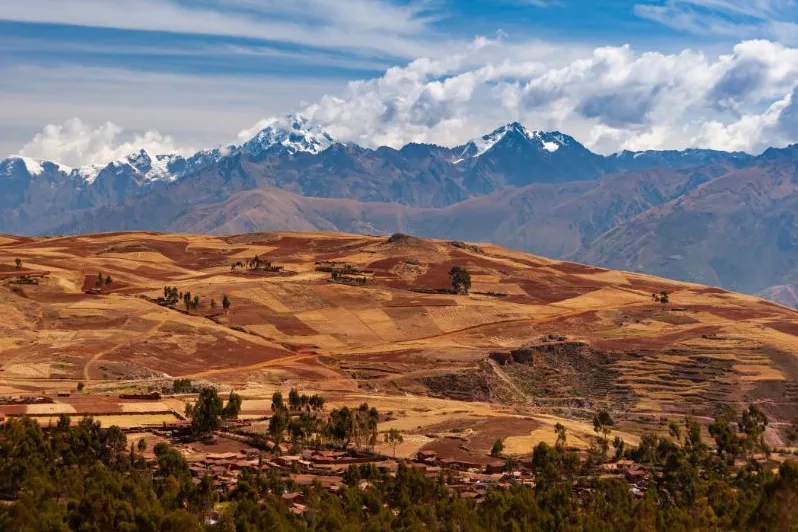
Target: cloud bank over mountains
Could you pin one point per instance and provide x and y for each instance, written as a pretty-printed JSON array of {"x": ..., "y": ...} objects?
[
  {"x": 77, "y": 144},
  {"x": 696, "y": 73},
  {"x": 610, "y": 98},
  {"x": 613, "y": 98}
]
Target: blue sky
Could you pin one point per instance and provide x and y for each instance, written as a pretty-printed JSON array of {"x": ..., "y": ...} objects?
[{"x": 203, "y": 72}]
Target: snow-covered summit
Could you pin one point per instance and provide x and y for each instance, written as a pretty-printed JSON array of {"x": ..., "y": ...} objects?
[
  {"x": 147, "y": 167},
  {"x": 293, "y": 133},
  {"x": 545, "y": 141},
  {"x": 17, "y": 162},
  {"x": 152, "y": 167}
]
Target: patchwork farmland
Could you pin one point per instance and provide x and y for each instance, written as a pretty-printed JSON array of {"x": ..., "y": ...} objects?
[{"x": 535, "y": 342}]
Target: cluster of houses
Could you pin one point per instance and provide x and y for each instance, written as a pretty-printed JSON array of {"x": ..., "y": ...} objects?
[
  {"x": 326, "y": 467},
  {"x": 631, "y": 472},
  {"x": 470, "y": 477}
]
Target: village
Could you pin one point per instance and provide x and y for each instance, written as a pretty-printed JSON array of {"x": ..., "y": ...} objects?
[
  {"x": 241, "y": 447},
  {"x": 226, "y": 458}
]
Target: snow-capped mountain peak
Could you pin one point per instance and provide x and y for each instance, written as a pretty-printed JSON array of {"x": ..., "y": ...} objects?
[
  {"x": 154, "y": 167},
  {"x": 143, "y": 167},
  {"x": 89, "y": 173},
  {"x": 293, "y": 133},
  {"x": 31, "y": 166},
  {"x": 545, "y": 141}
]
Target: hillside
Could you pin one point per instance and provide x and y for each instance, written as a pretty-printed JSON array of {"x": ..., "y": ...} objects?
[
  {"x": 737, "y": 230},
  {"x": 556, "y": 220},
  {"x": 550, "y": 336}
]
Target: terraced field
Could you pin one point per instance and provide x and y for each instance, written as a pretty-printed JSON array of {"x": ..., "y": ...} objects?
[{"x": 592, "y": 338}]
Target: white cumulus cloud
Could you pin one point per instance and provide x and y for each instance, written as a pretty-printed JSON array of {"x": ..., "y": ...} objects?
[
  {"x": 610, "y": 98},
  {"x": 777, "y": 125},
  {"x": 75, "y": 143}
]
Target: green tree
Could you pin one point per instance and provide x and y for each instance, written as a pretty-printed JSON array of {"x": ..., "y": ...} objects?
[
  {"x": 727, "y": 444},
  {"x": 316, "y": 402},
  {"x": 340, "y": 426},
  {"x": 100, "y": 280},
  {"x": 364, "y": 425},
  {"x": 108, "y": 280},
  {"x": 278, "y": 424},
  {"x": 602, "y": 426},
  {"x": 460, "y": 279},
  {"x": 562, "y": 436},
  {"x": 141, "y": 445},
  {"x": 753, "y": 423},
  {"x": 206, "y": 412},
  {"x": 295, "y": 400},
  {"x": 693, "y": 444},
  {"x": 778, "y": 505},
  {"x": 280, "y": 419},
  {"x": 620, "y": 446},
  {"x": 182, "y": 386},
  {"x": 18, "y": 262},
  {"x": 277, "y": 401},
  {"x": 233, "y": 406},
  {"x": 393, "y": 438},
  {"x": 225, "y": 303},
  {"x": 497, "y": 449}
]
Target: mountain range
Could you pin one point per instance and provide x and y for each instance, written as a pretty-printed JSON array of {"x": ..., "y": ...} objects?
[{"x": 718, "y": 218}]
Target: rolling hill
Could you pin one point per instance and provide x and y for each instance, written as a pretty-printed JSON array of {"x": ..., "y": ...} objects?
[{"x": 534, "y": 333}]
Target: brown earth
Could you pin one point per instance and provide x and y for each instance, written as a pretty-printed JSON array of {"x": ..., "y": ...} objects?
[{"x": 401, "y": 333}]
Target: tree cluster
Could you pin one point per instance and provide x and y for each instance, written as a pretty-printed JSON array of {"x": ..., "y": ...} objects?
[
  {"x": 85, "y": 477},
  {"x": 209, "y": 410},
  {"x": 256, "y": 264},
  {"x": 103, "y": 280},
  {"x": 183, "y": 386},
  {"x": 338, "y": 277},
  {"x": 353, "y": 425},
  {"x": 303, "y": 421},
  {"x": 173, "y": 295},
  {"x": 662, "y": 297},
  {"x": 300, "y": 418}
]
